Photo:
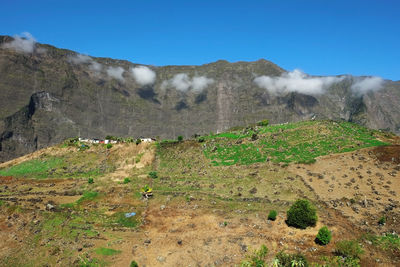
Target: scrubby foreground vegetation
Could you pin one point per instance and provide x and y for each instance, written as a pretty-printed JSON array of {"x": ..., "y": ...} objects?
[{"x": 314, "y": 193}]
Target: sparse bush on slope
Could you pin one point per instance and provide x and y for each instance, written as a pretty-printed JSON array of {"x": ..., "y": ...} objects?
[
  {"x": 324, "y": 236},
  {"x": 302, "y": 214}
]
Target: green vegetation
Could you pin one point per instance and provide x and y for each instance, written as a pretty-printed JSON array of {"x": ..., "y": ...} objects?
[
  {"x": 124, "y": 221},
  {"x": 302, "y": 214},
  {"x": 87, "y": 196},
  {"x": 90, "y": 181},
  {"x": 298, "y": 142},
  {"x": 85, "y": 164},
  {"x": 387, "y": 241},
  {"x": 180, "y": 138},
  {"x": 134, "y": 264},
  {"x": 138, "y": 141},
  {"x": 37, "y": 168},
  {"x": 382, "y": 220},
  {"x": 349, "y": 249},
  {"x": 126, "y": 180},
  {"x": 324, "y": 236},
  {"x": 263, "y": 123},
  {"x": 109, "y": 146},
  {"x": 283, "y": 259},
  {"x": 256, "y": 258},
  {"x": 153, "y": 174},
  {"x": 106, "y": 251},
  {"x": 272, "y": 215}
]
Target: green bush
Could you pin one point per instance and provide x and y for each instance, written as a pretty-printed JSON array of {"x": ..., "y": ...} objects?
[
  {"x": 90, "y": 181},
  {"x": 180, "y": 138},
  {"x": 134, "y": 264},
  {"x": 289, "y": 260},
  {"x": 382, "y": 220},
  {"x": 138, "y": 141},
  {"x": 127, "y": 180},
  {"x": 201, "y": 139},
  {"x": 272, "y": 215},
  {"x": 349, "y": 248},
  {"x": 324, "y": 236},
  {"x": 302, "y": 214},
  {"x": 256, "y": 258},
  {"x": 109, "y": 146},
  {"x": 263, "y": 123},
  {"x": 153, "y": 174}
]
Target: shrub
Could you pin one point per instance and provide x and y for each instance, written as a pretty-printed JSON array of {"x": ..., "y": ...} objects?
[
  {"x": 302, "y": 214},
  {"x": 324, "y": 236},
  {"x": 127, "y": 180},
  {"x": 109, "y": 146},
  {"x": 283, "y": 259},
  {"x": 201, "y": 139},
  {"x": 134, "y": 264},
  {"x": 153, "y": 174},
  {"x": 256, "y": 258},
  {"x": 349, "y": 248},
  {"x": 90, "y": 181},
  {"x": 180, "y": 138},
  {"x": 263, "y": 123},
  {"x": 272, "y": 215},
  {"x": 138, "y": 141},
  {"x": 382, "y": 220}
]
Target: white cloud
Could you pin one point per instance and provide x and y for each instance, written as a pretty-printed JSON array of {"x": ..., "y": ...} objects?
[
  {"x": 80, "y": 59},
  {"x": 95, "y": 66},
  {"x": 296, "y": 81},
  {"x": 24, "y": 43},
  {"x": 199, "y": 83},
  {"x": 85, "y": 59},
  {"x": 182, "y": 82},
  {"x": 364, "y": 84},
  {"x": 116, "y": 73},
  {"x": 143, "y": 75}
]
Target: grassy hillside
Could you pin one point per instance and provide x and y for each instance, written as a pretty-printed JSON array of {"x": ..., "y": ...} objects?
[
  {"x": 67, "y": 204},
  {"x": 298, "y": 142}
]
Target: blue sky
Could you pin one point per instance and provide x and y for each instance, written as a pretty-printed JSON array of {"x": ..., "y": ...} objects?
[{"x": 319, "y": 37}]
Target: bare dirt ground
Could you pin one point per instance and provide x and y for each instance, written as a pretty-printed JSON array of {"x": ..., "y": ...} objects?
[{"x": 364, "y": 184}]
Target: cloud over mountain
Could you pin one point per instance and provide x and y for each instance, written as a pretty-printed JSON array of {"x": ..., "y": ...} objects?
[
  {"x": 116, "y": 73},
  {"x": 296, "y": 81},
  {"x": 143, "y": 75},
  {"x": 363, "y": 85},
  {"x": 182, "y": 82},
  {"x": 24, "y": 43}
]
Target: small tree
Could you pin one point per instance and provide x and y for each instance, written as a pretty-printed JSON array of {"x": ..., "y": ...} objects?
[
  {"x": 302, "y": 214},
  {"x": 90, "y": 181},
  {"x": 263, "y": 123},
  {"x": 153, "y": 174},
  {"x": 324, "y": 236},
  {"x": 134, "y": 264},
  {"x": 180, "y": 138},
  {"x": 272, "y": 215},
  {"x": 138, "y": 141},
  {"x": 109, "y": 146}
]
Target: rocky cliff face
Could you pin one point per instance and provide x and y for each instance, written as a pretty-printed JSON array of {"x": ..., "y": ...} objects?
[{"x": 51, "y": 94}]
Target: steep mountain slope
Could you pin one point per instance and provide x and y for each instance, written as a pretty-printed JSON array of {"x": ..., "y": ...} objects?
[{"x": 51, "y": 94}]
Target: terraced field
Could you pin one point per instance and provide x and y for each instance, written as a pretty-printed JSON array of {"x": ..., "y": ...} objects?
[{"x": 210, "y": 198}]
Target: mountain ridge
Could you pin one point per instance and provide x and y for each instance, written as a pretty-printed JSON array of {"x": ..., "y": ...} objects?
[{"x": 69, "y": 94}]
